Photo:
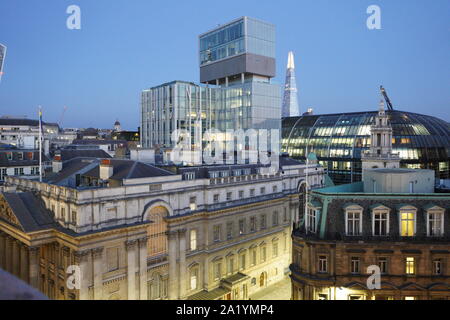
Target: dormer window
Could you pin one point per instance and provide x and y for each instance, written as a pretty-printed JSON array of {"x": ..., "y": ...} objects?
[
  {"x": 353, "y": 220},
  {"x": 435, "y": 221},
  {"x": 380, "y": 221},
  {"x": 311, "y": 218},
  {"x": 189, "y": 176},
  {"x": 408, "y": 221}
]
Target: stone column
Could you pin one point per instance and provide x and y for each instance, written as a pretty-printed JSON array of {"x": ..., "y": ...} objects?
[
  {"x": 2, "y": 250},
  {"x": 131, "y": 268},
  {"x": 65, "y": 263},
  {"x": 173, "y": 288},
  {"x": 82, "y": 260},
  {"x": 97, "y": 254},
  {"x": 143, "y": 268},
  {"x": 24, "y": 263},
  {"x": 183, "y": 269},
  {"x": 33, "y": 262},
  {"x": 8, "y": 254}
]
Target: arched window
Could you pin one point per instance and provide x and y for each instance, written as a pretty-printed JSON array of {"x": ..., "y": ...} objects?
[{"x": 156, "y": 231}]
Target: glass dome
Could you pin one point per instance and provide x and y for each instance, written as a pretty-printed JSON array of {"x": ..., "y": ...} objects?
[{"x": 338, "y": 140}]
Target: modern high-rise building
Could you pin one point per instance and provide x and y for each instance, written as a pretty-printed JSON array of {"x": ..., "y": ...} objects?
[
  {"x": 2, "y": 58},
  {"x": 237, "y": 62},
  {"x": 290, "y": 101}
]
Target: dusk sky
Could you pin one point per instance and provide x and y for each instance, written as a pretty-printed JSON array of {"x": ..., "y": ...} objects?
[{"x": 126, "y": 46}]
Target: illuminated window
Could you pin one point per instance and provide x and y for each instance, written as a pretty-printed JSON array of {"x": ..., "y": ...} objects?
[
  {"x": 193, "y": 238},
  {"x": 193, "y": 203},
  {"x": 241, "y": 227},
  {"x": 194, "y": 277},
  {"x": 410, "y": 298},
  {"x": 407, "y": 224},
  {"x": 410, "y": 265}
]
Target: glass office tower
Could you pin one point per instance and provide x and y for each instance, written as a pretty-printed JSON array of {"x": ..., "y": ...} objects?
[
  {"x": 2, "y": 59},
  {"x": 237, "y": 62}
]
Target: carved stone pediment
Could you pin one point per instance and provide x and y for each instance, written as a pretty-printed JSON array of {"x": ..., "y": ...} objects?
[{"x": 6, "y": 213}]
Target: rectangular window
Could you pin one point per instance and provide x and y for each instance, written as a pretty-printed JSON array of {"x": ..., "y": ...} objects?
[
  {"x": 253, "y": 257},
  {"x": 241, "y": 227},
  {"x": 353, "y": 223},
  {"x": 193, "y": 203},
  {"x": 380, "y": 223},
  {"x": 263, "y": 254},
  {"x": 241, "y": 194},
  {"x": 216, "y": 198},
  {"x": 217, "y": 271},
  {"x": 275, "y": 219},
  {"x": 193, "y": 238},
  {"x": 383, "y": 264},
  {"x": 230, "y": 265},
  {"x": 252, "y": 224},
  {"x": 410, "y": 265},
  {"x": 407, "y": 224},
  {"x": 229, "y": 230},
  {"x": 323, "y": 264},
  {"x": 285, "y": 216},
  {"x": 311, "y": 220},
  {"x": 274, "y": 189},
  {"x": 435, "y": 224},
  {"x": 74, "y": 217},
  {"x": 275, "y": 250},
  {"x": 355, "y": 265},
  {"x": 216, "y": 233},
  {"x": 242, "y": 262},
  {"x": 263, "y": 222},
  {"x": 252, "y": 192},
  {"x": 229, "y": 196},
  {"x": 437, "y": 267},
  {"x": 194, "y": 277},
  {"x": 263, "y": 190}
]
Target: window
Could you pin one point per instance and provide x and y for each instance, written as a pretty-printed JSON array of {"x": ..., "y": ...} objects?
[
  {"x": 252, "y": 224},
  {"x": 380, "y": 223},
  {"x": 311, "y": 220},
  {"x": 263, "y": 254},
  {"x": 229, "y": 230},
  {"x": 285, "y": 216},
  {"x": 16, "y": 171},
  {"x": 437, "y": 267},
  {"x": 241, "y": 227},
  {"x": 323, "y": 264},
  {"x": 263, "y": 221},
  {"x": 194, "y": 277},
  {"x": 241, "y": 194},
  {"x": 383, "y": 264},
  {"x": 242, "y": 262},
  {"x": 21, "y": 172},
  {"x": 410, "y": 265},
  {"x": 274, "y": 189},
  {"x": 193, "y": 238},
  {"x": 193, "y": 203},
  {"x": 355, "y": 265},
  {"x": 275, "y": 249},
  {"x": 74, "y": 217},
  {"x": 435, "y": 225},
  {"x": 252, "y": 192},
  {"x": 230, "y": 268},
  {"x": 189, "y": 176},
  {"x": 253, "y": 256},
  {"x": 63, "y": 213},
  {"x": 263, "y": 190},
  {"x": 275, "y": 219},
  {"x": 229, "y": 196},
  {"x": 322, "y": 296},
  {"x": 407, "y": 223},
  {"x": 216, "y": 198},
  {"x": 354, "y": 223},
  {"x": 217, "y": 271},
  {"x": 216, "y": 233}
]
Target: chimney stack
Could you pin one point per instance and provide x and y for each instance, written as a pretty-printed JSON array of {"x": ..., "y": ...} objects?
[
  {"x": 106, "y": 169},
  {"x": 57, "y": 164}
]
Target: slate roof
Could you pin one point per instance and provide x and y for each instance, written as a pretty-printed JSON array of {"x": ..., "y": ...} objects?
[
  {"x": 129, "y": 169},
  {"x": 70, "y": 168},
  {"x": 67, "y": 154},
  {"x": 30, "y": 211}
]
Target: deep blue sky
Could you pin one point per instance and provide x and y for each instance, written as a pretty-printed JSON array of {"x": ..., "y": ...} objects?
[{"x": 125, "y": 46}]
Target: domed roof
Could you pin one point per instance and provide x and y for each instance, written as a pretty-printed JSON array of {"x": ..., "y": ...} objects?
[{"x": 117, "y": 123}]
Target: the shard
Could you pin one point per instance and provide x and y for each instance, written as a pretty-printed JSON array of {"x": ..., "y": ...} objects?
[
  {"x": 290, "y": 100},
  {"x": 2, "y": 58}
]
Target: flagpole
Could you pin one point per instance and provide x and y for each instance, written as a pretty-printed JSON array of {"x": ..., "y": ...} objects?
[{"x": 40, "y": 144}]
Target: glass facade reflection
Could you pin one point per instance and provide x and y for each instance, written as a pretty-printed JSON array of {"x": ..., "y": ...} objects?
[{"x": 339, "y": 139}]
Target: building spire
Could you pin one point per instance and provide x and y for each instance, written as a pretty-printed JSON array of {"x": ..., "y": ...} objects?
[{"x": 290, "y": 100}]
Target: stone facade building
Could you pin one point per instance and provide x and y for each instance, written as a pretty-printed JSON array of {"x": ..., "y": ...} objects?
[
  {"x": 122, "y": 229},
  {"x": 392, "y": 223}
]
